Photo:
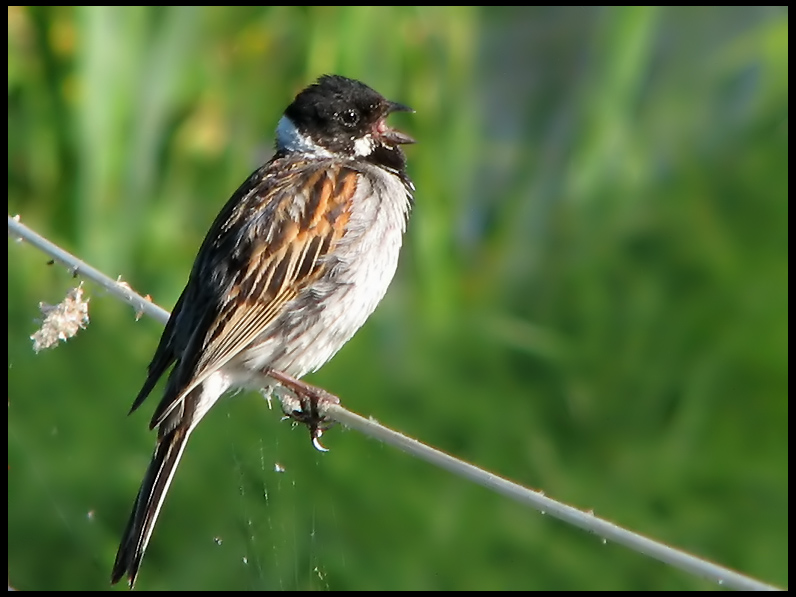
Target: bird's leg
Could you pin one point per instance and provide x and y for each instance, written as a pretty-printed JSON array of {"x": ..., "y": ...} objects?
[{"x": 308, "y": 406}]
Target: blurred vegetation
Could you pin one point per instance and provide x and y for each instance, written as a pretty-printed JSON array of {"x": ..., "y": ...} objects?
[{"x": 592, "y": 299}]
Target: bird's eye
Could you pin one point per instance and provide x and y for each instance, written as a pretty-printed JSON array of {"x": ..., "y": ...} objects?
[{"x": 349, "y": 118}]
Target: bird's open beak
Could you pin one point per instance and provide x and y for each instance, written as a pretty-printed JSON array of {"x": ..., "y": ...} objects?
[{"x": 390, "y": 134}]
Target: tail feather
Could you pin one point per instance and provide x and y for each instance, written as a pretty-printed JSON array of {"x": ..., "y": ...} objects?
[{"x": 148, "y": 503}]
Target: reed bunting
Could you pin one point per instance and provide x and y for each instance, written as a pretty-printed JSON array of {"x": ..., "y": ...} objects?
[{"x": 294, "y": 264}]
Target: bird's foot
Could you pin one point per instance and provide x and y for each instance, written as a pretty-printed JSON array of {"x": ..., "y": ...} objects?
[{"x": 306, "y": 404}]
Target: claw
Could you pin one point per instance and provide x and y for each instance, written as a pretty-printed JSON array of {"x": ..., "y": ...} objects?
[{"x": 316, "y": 437}]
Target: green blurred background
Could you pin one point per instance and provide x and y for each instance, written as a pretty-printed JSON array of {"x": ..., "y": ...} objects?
[{"x": 592, "y": 297}]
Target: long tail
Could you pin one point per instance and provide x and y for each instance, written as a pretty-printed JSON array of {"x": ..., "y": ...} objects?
[{"x": 147, "y": 504}]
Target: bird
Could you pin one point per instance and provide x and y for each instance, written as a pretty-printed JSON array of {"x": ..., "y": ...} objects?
[{"x": 295, "y": 262}]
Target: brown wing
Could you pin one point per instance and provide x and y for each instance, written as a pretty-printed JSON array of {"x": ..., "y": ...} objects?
[{"x": 266, "y": 245}]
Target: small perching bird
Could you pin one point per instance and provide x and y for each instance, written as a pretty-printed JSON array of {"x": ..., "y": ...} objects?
[{"x": 291, "y": 268}]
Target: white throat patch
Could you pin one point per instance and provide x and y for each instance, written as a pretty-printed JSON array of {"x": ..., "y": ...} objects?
[
  {"x": 288, "y": 137},
  {"x": 363, "y": 147}
]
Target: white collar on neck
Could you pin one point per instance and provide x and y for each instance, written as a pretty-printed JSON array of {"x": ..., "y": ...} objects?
[{"x": 289, "y": 138}]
